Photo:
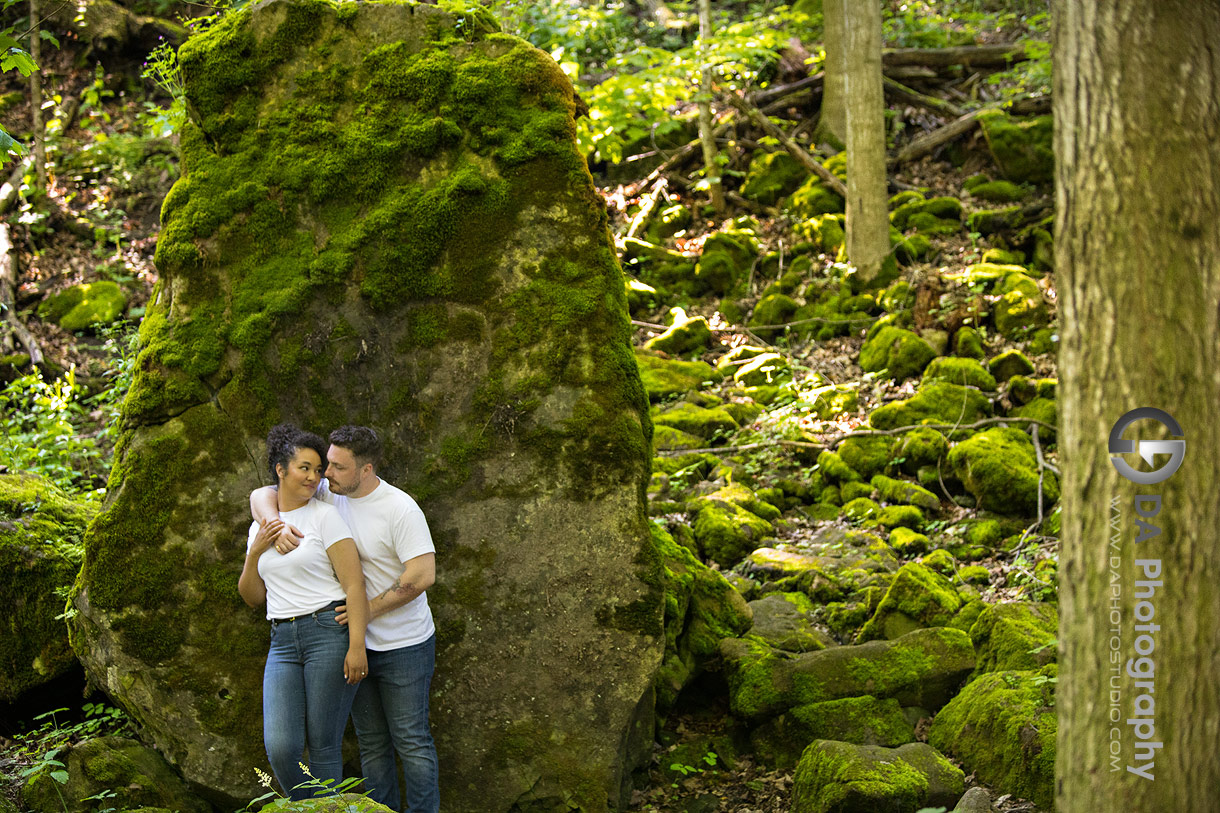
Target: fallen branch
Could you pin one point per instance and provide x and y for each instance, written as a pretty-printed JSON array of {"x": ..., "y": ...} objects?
[
  {"x": 806, "y": 160},
  {"x": 974, "y": 56},
  {"x": 901, "y": 91},
  {"x": 928, "y": 142},
  {"x": 674, "y": 161},
  {"x": 647, "y": 208}
]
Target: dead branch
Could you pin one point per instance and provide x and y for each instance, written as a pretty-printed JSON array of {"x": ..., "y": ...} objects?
[
  {"x": 900, "y": 91},
  {"x": 647, "y": 207},
  {"x": 806, "y": 160},
  {"x": 928, "y": 142},
  {"x": 972, "y": 56},
  {"x": 674, "y": 161}
]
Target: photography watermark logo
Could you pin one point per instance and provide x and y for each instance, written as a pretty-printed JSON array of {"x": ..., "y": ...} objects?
[{"x": 1147, "y": 449}]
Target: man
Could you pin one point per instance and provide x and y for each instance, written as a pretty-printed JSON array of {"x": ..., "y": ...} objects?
[{"x": 399, "y": 561}]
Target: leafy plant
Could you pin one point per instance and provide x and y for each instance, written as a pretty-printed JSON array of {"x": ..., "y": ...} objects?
[
  {"x": 274, "y": 800},
  {"x": 38, "y": 427}
]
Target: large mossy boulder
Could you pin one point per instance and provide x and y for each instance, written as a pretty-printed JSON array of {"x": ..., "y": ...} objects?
[
  {"x": 1021, "y": 147},
  {"x": 135, "y": 776},
  {"x": 1016, "y": 636},
  {"x": 838, "y": 777},
  {"x": 1002, "y": 728},
  {"x": 40, "y": 553},
  {"x": 383, "y": 219},
  {"x": 786, "y": 621},
  {"x": 1000, "y": 468},
  {"x": 918, "y": 597},
  {"x": 772, "y": 176}
]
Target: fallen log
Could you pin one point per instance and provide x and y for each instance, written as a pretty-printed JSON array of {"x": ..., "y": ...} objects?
[
  {"x": 971, "y": 56},
  {"x": 898, "y": 90},
  {"x": 928, "y": 142}
]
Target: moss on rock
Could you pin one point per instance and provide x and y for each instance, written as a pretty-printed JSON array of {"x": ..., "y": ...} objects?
[
  {"x": 813, "y": 198},
  {"x": 772, "y": 309},
  {"x": 999, "y": 467},
  {"x": 902, "y": 491},
  {"x": 1002, "y": 727},
  {"x": 936, "y": 403},
  {"x": 1008, "y": 364},
  {"x": 1021, "y": 147},
  {"x": 726, "y": 525},
  {"x": 1021, "y": 308},
  {"x": 686, "y": 335},
  {"x": 948, "y": 209},
  {"x": 771, "y": 176},
  {"x": 1039, "y": 409},
  {"x": 84, "y": 306},
  {"x": 967, "y": 343},
  {"x": 764, "y": 370},
  {"x": 920, "y": 447},
  {"x": 726, "y": 258},
  {"x": 965, "y": 371},
  {"x": 899, "y": 352},
  {"x": 40, "y": 553},
  {"x": 865, "y": 720},
  {"x": 867, "y": 455},
  {"x": 696, "y": 420},
  {"x": 785, "y": 621},
  {"x": 665, "y": 378},
  {"x": 1015, "y": 636},
  {"x": 838, "y": 777},
  {"x": 918, "y": 597}
]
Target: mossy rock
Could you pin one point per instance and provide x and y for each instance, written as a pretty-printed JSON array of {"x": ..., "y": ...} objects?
[
  {"x": 905, "y": 196},
  {"x": 84, "y": 306},
  {"x": 908, "y": 542},
  {"x": 999, "y": 467},
  {"x": 967, "y": 343},
  {"x": 1008, "y": 364},
  {"x": 918, "y": 597},
  {"x": 1021, "y": 308},
  {"x": 826, "y": 231},
  {"x": 1000, "y": 256},
  {"x": 991, "y": 221},
  {"x": 922, "y": 668},
  {"x": 940, "y": 561},
  {"x": 998, "y": 191},
  {"x": 1022, "y": 147},
  {"x": 1021, "y": 390},
  {"x": 1039, "y": 409},
  {"x": 135, "y": 775},
  {"x": 899, "y": 352},
  {"x": 383, "y": 218},
  {"x": 907, "y": 493},
  {"x": 947, "y": 209},
  {"x": 936, "y": 403},
  {"x": 789, "y": 283},
  {"x": 920, "y": 447},
  {"x": 771, "y": 176},
  {"x": 866, "y": 720},
  {"x": 838, "y": 777},
  {"x": 974, "y": 574},
  {"x": 704, "y": 423},
  {"x": 641, "y": 297},
  {"x": 785, "y": 621},
  {"x": 861, "y": 510},
  {"x": 725, "y": 260},
  {"x": 701, "y": 608},
  {"x": 928, "y": 224},
  {"x": 665, "y": 378},
  {"x": 726, "y": 529},
  {"x": 965, "y": 371},
  {"x": 1015, "y": 635},
  {"x": 1043, "y": 340},
  {"x": 813, "y": 198},
  {"x": 986, "y": 274},
  {"x": 40, "y": 553},
  {"x": 773, "y": 309},
  {"x": 667, "y": 438},
  {"x": 668, "y": 222},
  {"x": 1002, "y": 728},
  {"x": 867, "y": 455},
  {"x": 912, "y": 247},
  {"x": 900, "y": 516},
  {"x": 767, "y": 369},
  {"x": 832, "y": 400},
  {"x": 854, "y": 491},
  {"x": 686, "y": 335}
]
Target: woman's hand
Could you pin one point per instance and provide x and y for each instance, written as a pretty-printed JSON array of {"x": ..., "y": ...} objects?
[
  {"x": 355, "y": 665},
  {"x": 266, "y": 536}
]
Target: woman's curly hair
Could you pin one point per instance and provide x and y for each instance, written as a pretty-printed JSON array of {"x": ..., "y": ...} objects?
[{"x": 284, "y": 440}]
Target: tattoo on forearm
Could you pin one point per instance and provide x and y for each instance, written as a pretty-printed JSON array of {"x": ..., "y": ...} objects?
[{"x": 397, "y": 589}]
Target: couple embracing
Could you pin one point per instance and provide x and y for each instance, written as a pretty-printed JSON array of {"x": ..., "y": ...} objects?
[{"x": 342, "y": 559}]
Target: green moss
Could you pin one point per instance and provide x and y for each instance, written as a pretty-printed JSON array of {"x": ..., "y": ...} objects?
[
  {"x": 967, "y": 343},
  {"x": 937, "y": 403},
  {"x": 940, "y": 561},
  {"x": 862, "y": 510},
  {"x": 933, "y": 210},
  {"x": 992, "y": 221},
  {"x": 999, "y": 468},
  {"x": 866, "y": 720},
  {"x": 84, "y": 306},
  {"x": 853, "y": 491},
  {"x": 908, "y": 542},
  {"x": 905, "y": 516},
  {"x": 867, "y": 455},
  {"x": 813, "y": 198},
  {"x": 901, "y": 491},
  {"x": 1021, "y": 146},
  {"x": 1008, "y": 364},
  {"x": 684, "y": 336},
  {"x": 665, "y": 378},
  {"x": 998, "y": 191},
  {"x": 773, "y": 309},
  {"x": 836, "y": 776},
  {"x": 726, "y": 525},
  {"x": 899, "y": 352},
  {"x": 920, "y": 447},
  {"x": 965, "y": 371},
  {"x": 918, "y": 597},
  {"x": 698, "y": 421},
  {"x": 1002, "y": 727},
  {"x": 764, "y": 370},
  {"x": 726, "y": 258},
  {"x": 771, "y": 176},
  {"x": 1020, "y": 309},
  {"x": 974, "y": 574},
  {"x": 1015, "y": 635},
  {"x": 1001, "y": 256},
  {"x": 1039, "y": 409}
]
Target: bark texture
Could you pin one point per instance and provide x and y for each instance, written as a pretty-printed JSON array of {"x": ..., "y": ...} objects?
[
  {"x": 867, "y": 217},
  {"x": 1137, "y": 115},
  {"x": 832, "y": 125}
]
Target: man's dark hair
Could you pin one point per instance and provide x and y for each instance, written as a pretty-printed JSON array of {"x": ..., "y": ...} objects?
[
  {"x": 284, "y": 440},
  {"x": 361, "y": 441}
]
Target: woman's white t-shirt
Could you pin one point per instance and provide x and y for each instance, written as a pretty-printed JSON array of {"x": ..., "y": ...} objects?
[{"x": 303, "y": 580}]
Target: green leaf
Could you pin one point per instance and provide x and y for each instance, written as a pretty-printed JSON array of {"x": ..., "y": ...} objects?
[
  {"x": 19, "y": 59},
  {"x": 60, "y": 776},
  {"x": 10, "y": 145}
]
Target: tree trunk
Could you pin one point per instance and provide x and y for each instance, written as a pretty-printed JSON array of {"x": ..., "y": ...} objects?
[
  {"x": 40, "y": 147},
  {"x": 868, "y": 226},
  {"x": 1137, "y": 112},
  {"x": 706, "y": 138},
  {"x": 832, "y": 123}
]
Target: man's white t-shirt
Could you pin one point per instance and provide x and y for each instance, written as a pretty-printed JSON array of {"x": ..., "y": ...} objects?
[
  {"x": 303, "y": 579},
  {"x": 390, "y": 530}
]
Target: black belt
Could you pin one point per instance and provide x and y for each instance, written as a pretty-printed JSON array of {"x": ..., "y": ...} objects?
[{"x": 337, "y": 602}]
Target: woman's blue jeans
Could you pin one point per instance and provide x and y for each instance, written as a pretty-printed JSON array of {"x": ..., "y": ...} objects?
[
  {"x": 306, "y": 700},
  {"x": 391, "y": 715}
]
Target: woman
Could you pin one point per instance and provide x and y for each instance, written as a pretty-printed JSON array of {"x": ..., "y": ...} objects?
[{"x": 314, "y": 663}]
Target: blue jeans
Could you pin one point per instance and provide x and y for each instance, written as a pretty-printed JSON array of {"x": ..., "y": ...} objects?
[
  {"x": 391, "y": 715},
  {"x": 306, "y": 700}
]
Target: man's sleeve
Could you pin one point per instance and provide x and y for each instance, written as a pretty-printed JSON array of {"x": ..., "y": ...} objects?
[
  {"x": 251, "y": 535},
  {"x": 411, "y": 535}
]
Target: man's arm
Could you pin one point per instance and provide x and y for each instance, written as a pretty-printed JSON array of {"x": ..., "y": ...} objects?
[
  {"x": 418, "y": 575},
  {"x": 264, "y": 506}
]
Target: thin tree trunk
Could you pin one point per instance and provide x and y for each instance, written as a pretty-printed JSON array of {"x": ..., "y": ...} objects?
[
  {"x": 708, "y": 141},
  {"x": 868, "y": 225},
  {"x": 40, "y": 148},
  {"x": 1137, "y": 113},
  {"x": 832, "y": 123}
]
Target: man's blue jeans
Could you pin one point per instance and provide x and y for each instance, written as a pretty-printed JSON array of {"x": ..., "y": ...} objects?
[
  {"x": 306, "y": 700},
  {"x": 391, "y": 715}
]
